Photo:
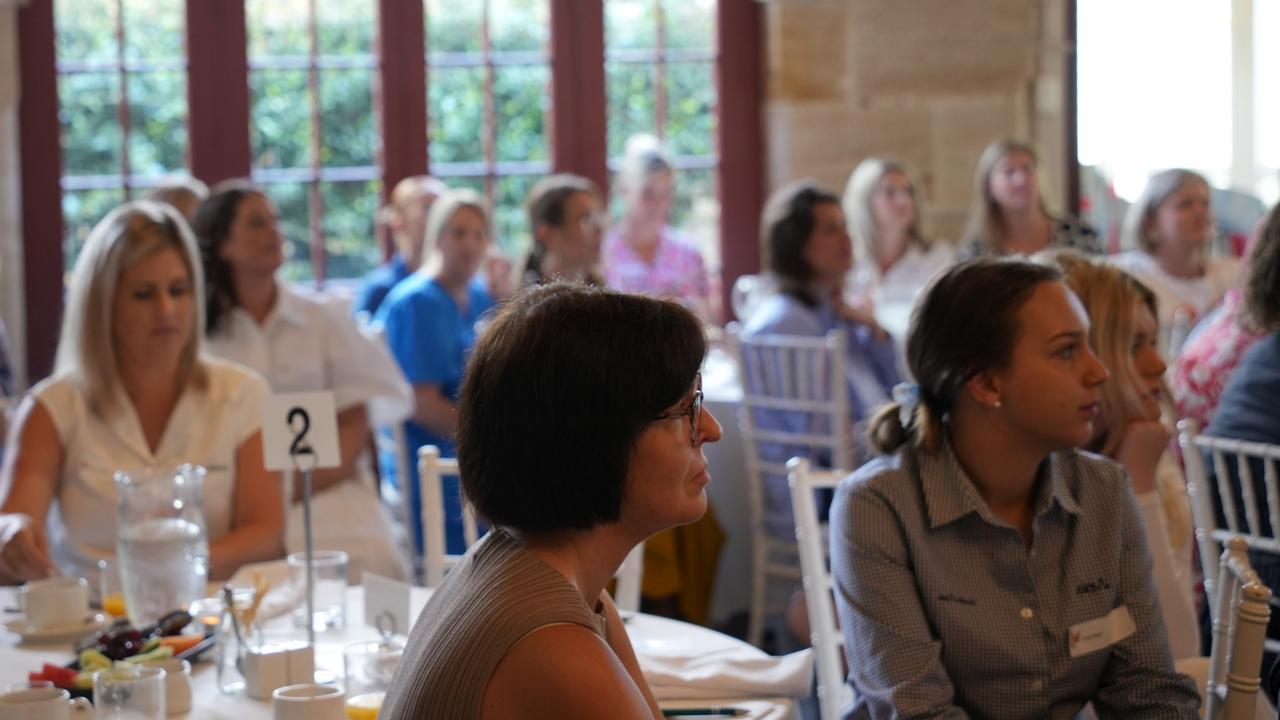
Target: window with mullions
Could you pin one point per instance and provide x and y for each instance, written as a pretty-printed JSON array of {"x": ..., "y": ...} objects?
[
  {"x": 313, "y": 132},
  {"x": 660, "y": 60},
  {"x": 122, "y": 104},
  {"x": 487, "y": 103}
]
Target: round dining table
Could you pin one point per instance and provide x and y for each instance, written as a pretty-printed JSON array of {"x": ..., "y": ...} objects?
[{"x": 650, "y": 634}]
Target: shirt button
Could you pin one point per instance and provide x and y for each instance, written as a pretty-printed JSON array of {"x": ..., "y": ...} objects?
[
  {"x": 1026, "y": 614},
  {"x": 1037, "y": 685}
]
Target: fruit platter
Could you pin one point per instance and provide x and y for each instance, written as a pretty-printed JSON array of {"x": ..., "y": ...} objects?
[{"x": 121, "y": 642}]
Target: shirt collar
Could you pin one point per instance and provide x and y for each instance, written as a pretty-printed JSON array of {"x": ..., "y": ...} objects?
[{"x": 950, "y": 494}]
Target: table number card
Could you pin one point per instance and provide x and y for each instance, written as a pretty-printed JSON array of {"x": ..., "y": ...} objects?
[
  {"x": 386, "y": 604},
  {"x": 300, "y": 430}
]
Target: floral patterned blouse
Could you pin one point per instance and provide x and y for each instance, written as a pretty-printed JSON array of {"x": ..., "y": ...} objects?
[
  {"x": 677, "y": 271},
  {"x": 1202, "y": 370}
]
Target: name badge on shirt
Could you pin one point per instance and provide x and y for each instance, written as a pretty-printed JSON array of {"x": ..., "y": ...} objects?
[{"x": 1093, "y": 635}]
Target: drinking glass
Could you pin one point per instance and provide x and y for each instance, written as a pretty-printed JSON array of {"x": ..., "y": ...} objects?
[
  {"x": 367, "y": 671},
  {"x": 129, "y": 692},
  {"x": 329, "y": 568},
  {"x": 162, "y": 544}
]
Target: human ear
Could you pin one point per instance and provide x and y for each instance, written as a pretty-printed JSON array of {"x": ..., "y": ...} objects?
[{"x": 985, "y": 388}]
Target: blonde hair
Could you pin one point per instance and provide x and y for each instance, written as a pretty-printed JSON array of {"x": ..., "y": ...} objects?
[
  {"x": 857, "y": 208},
  {"x": 442, "y": 211},
  {"x": 86, "y": 347},
  {"x": 984, "y": 231},
  {"x": 1109, "y": 296},
  {"x": 1160, "y": 187},
  {"x": 178, "y": 189},
  {"x": 642, "y": 159}
]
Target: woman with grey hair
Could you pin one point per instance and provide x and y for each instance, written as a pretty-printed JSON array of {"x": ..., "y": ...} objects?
[
  {"x": 892, "y": 258},
  {"x": 1165, "y": 234},
  {"x": 643, "y": 253},
  {"x": 132, "y": 389}
]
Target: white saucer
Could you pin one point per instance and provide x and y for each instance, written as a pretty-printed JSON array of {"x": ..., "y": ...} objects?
[{"x": 93, "y": 621}]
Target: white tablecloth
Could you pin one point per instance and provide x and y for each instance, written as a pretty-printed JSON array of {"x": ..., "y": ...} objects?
[
  {"x": 652, "y": 636},
  {"x": 726, "y": 461}
]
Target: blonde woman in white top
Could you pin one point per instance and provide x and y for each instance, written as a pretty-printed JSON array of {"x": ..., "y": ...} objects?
[
  {"x": 303, "y": 342},
  {"x": 1166, "y": 234},
  {"x": 893, "y": 260},
  {"x": 131, "y": 390},
  {"x": 1125, "y": 335}
]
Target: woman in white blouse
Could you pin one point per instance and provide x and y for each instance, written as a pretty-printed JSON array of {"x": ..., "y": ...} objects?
[
  {"x": 132, "y": 390},
  {"x": 1166, "y": 234},
  {"x": 300, "y": 343},
  {"x": 1125, "y": 335},
  {"x": 892, "y": 259}
]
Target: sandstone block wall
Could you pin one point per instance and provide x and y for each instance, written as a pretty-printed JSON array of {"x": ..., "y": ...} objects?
[{"x": 928, "y": 81}]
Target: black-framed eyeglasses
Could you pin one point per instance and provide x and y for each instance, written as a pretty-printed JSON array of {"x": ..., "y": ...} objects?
[{"x": 693, "y": 410}]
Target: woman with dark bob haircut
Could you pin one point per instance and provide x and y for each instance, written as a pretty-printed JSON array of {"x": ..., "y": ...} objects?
[{"x": 580, "y": 432}]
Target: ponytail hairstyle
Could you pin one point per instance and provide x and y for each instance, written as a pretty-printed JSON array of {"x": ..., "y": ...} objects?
[{"x": 964, "y": 323}]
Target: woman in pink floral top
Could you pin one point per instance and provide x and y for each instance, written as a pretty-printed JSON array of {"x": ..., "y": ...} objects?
[
  {"x": 1204, "y": 367},
  {"x": 643, "y": 254}
]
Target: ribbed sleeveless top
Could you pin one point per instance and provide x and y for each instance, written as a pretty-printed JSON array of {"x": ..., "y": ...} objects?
[{"x": 497, "y": 595}]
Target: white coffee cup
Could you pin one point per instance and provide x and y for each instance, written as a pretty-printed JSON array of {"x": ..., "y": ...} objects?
[
  {"x": 55, "y": 602},
  {"x": 308, "y": 702},
  {"x": 42, "y": 703},
  {"x": 177, "y": 684}
]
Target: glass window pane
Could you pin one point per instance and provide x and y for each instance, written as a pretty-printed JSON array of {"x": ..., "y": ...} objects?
[
  {"x": 153, "y": 29},
  {"x": 86, "y": 30},
  {"x": 81, "y": 210},
  {"x": 518, "y": 25},
  {"x": 511, "y": 226},
  {"x": 293, "y": 203},
  {"x": 631, "y": 93},
  {"x": 455, "y": 114},
  {"x": 280, "y": 118},
  {"x": 157, "y": 120},
  {"x": 520, "y": 98},
  {"x": 690, "y": 23},
  {"x": 350, "y": 244},
  {"x": 691, "y": 105},
  {"x": 696, "y": 208},
  {"x": 277, "y": 27},
  {"x": 630, "y": 24},
  {"x": 90, "y": 128},
  {"x": 346, "y": 106},
  {"x": 346, "y": 28},
  {"x": 454, "y": 26}
]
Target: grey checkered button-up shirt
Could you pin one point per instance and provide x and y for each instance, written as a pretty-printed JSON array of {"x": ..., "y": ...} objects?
[{"x": 946, "y": 613}]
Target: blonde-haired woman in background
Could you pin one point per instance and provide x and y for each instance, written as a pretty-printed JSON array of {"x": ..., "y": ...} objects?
[
  {"x": 1008, "y": 215},
  {"x": 1166, "y": 234},
  {"x": 132, "y": 390},
  {"x": 893, "y": 260},
  {"x": 643, "y": 253},
  {"x": 1124, "y": 333},
  {"x": 430, "y": 322}
]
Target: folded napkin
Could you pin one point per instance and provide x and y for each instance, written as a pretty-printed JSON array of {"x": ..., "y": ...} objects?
[
  {"x": 735, "y": 672},
  {"x": 282, "y": 595}
]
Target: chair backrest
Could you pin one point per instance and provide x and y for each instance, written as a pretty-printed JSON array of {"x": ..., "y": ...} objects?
[
  {"x": 834, "y": 693},
  {"x": 793, "y": 398},
  {"x": 1235, "y": 662},
  {"x": 1248, "y": 505},
  {"x": 432, "y": 471},
  {"x": 436, "y": 561},
  {"x": 389, "y": 439}
]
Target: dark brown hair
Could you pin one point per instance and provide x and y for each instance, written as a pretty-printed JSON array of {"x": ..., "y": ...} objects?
[
  {"x": 212, "y": 226},
  {"x": 547, "y": 204},
  {"x": 785, "y": 227},
  {"x": 557, "y": 391},
  {"x": 965, "y": 322},
  {"x": 1262, "y": 284}
]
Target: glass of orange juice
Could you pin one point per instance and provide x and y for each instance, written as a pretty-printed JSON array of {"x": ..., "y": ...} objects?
[
  {"x": 110, "y": 593},
  {"x": 367, "y": 669},
  {"x": 364, "y": 706}
]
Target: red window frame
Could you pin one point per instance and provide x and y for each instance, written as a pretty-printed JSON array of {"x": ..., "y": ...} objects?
[{"x": 218, "y": 123}]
